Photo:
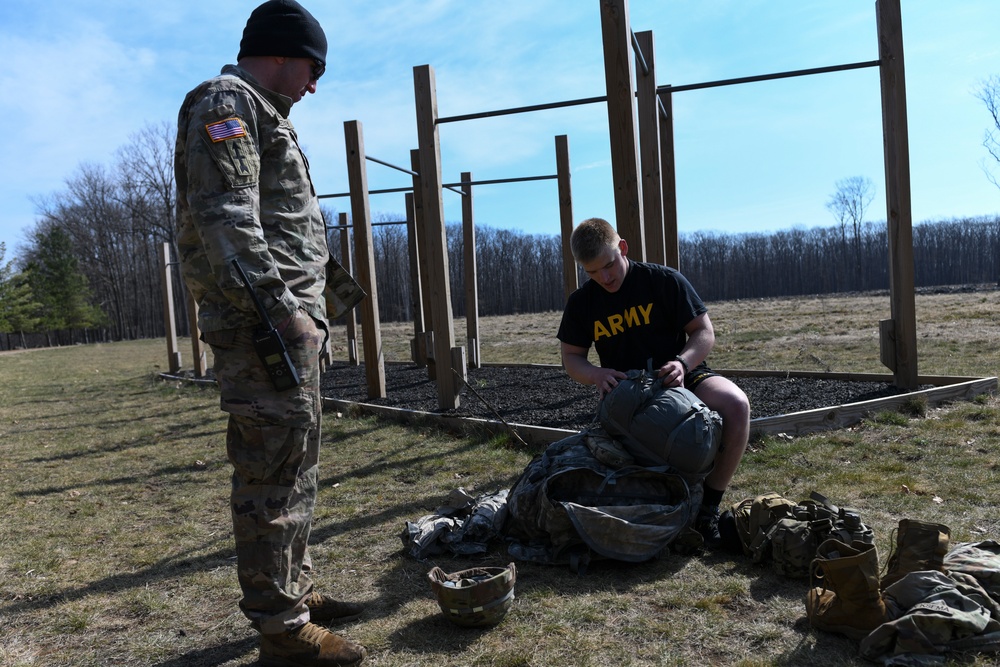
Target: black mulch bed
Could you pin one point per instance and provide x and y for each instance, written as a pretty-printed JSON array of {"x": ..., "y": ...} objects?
[{"x": 548, "y": 397}]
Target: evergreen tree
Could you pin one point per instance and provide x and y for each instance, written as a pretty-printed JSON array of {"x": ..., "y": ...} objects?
[
  {"x": 17, "y": 308},
  {"x": 58, "y": 286}
]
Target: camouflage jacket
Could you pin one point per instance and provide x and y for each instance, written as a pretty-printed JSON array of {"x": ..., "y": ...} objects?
[
  {"x": 937, "y": 614},
  {"x": 244, "y": 192}
]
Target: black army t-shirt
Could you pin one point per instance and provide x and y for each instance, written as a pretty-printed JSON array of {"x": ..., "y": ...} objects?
[{"x": 644, "y": 319}]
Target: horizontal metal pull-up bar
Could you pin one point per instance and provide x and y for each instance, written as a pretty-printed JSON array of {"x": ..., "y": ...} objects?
[
  {"x": 371, "y": 192},
  {"x": 520, "y": 179},
  {"x": 450, "y": 186},
  {"x": 374, "y": 224},
  {"x": 768, "y": 77},
  {"x": 661, "y": 89},
  {"x": 405, "y": 171},
  {"x": 535, "y": 107},
  {"x": 389, "y": 164}
]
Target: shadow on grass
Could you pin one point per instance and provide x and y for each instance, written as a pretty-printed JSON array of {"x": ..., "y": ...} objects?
[{"x": 215, "y": 655}]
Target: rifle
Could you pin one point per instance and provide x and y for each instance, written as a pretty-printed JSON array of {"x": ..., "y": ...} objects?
[{"x": 269, "y": 344}]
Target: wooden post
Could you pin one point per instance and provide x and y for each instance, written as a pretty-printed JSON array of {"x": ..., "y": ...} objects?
[
  {"x": 899, "y": 215},
  {"x": 668, "y": 171},
  {"x": 357, "y": 177},
  {"x": 424, "y": 341},
  {"x": 197, "y": 346},
  {"x": 418, "y": 352},
  {"x": 622, "y": 124},
  {"x": 570, "y": 275},
  {"x": 348, "y": 264},
  {"x": 425, "y": 94},
  {"x": 649, "y": 149},
  {"x": 471, "y": 279},
  {"x": 173, "y": 354}
]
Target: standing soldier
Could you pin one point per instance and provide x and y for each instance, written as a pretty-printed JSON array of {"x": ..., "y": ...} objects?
[{"x": 244, "y": 193}]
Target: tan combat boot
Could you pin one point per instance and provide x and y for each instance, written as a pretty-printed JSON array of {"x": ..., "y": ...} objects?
[
  {"x": 919, "y": 546},
  {"x": 309, "y": 645},
  {"x": 849, "y": 601},
  {"x": 324, "y": 610}
]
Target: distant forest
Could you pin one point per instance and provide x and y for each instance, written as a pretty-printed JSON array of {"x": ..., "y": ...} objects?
[
  {"x": 522, "y": 273},
  {"x": 517, "y": 272}
]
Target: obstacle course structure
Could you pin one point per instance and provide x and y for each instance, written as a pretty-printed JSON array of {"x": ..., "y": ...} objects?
[{"x": 640, "y": 122}]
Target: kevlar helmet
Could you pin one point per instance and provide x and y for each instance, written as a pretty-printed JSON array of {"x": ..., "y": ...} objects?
[{"x": 475, "y": 598}]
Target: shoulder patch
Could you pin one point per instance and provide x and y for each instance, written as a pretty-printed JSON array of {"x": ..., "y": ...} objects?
[{"x": 230, "y": 128}]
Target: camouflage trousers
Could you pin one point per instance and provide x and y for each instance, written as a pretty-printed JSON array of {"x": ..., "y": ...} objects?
[
  {"x": 935, "y": 614},
  {"x": 273, "y": 445}
]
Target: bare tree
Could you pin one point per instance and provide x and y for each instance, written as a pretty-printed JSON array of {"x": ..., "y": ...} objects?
[
  {"x": 990, "y": 95},
  {"x": 848, "y": 205}
]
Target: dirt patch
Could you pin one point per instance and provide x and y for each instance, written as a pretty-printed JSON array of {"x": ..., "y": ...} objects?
[{"x": 548, "y": 397}]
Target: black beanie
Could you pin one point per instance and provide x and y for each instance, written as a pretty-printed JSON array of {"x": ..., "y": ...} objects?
[{"x": 283, "y": 28}]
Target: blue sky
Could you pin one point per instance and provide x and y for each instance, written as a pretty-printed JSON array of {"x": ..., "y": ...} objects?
[{"x": 81, "y": 77}]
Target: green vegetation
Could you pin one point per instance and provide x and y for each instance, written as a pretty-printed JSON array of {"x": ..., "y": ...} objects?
[{"x": 117, "y": 546}]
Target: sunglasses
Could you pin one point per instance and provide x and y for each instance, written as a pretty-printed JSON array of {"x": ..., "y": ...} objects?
[{"x": 318, "y": 69}]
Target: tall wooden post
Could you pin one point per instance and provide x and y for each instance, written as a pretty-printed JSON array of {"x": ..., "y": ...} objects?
[
  {"x": 570, "y": 276},
  {"x": 898, "y": 337},
  {"x": 425, "y": 340},
  {"x": 471, "y": 278},
  {"x": 649, "y": 148},
  {"x": 348, "y": 264},
  {"x": 622, "y": 124},
  {"x": 425, "y": 94},
  {"x": 668, "y": 172},
  {"x": 357, "y": 178},
  {"x": 197, "y": 346},
  {"x": 173, "y": 354},
  {"x": 418, "y": 351}
]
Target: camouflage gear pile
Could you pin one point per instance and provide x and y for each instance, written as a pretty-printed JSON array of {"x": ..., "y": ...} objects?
[
  {"x": 935, "y": 614},
  {"x": 464, "y": 525},
  {"x": 475, "y": 598},
  {"x": 568, "y": 507},
  {"x": 786, "y": 534},
  {"x": 925, "y": 616}
]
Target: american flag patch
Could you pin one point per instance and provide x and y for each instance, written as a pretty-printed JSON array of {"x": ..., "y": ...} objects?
[{"x": 231, "y": 128}]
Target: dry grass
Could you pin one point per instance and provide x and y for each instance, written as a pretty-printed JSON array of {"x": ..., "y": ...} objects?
[
  {"x": 117, "y": 546},
  {"x": 957, "y": 334}
]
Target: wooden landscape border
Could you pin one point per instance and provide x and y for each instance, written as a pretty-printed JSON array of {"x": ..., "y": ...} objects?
[{"x": 946, "y": 389}]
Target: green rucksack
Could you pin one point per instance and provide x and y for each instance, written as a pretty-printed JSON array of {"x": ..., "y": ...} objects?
[{"x": 660, "y": 425}]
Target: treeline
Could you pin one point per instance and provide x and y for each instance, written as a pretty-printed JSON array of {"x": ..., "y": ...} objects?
[
  {"x": 522, "y": 273},
  {"x": 91, "y": 269},
  {"x": 826, "y": 260}
]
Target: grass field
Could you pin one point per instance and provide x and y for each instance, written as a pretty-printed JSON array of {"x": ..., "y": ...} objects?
[{"x": 116, "y": 548}]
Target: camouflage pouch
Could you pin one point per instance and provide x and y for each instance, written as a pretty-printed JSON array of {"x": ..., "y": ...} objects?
[
  {"x": 793, "y": 546},
  {"x": 607, "y": 450},
  {"x": 342, "y": 291},
  {"x": 754, "y": 517}
]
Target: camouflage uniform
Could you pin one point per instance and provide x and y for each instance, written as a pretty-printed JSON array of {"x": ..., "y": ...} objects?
[
  {"x": 938, "y": 614},
  {"x": 244, "y": 192}
]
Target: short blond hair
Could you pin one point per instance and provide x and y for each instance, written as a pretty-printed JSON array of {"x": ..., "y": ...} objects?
[{"x": 591, "y": 237}]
